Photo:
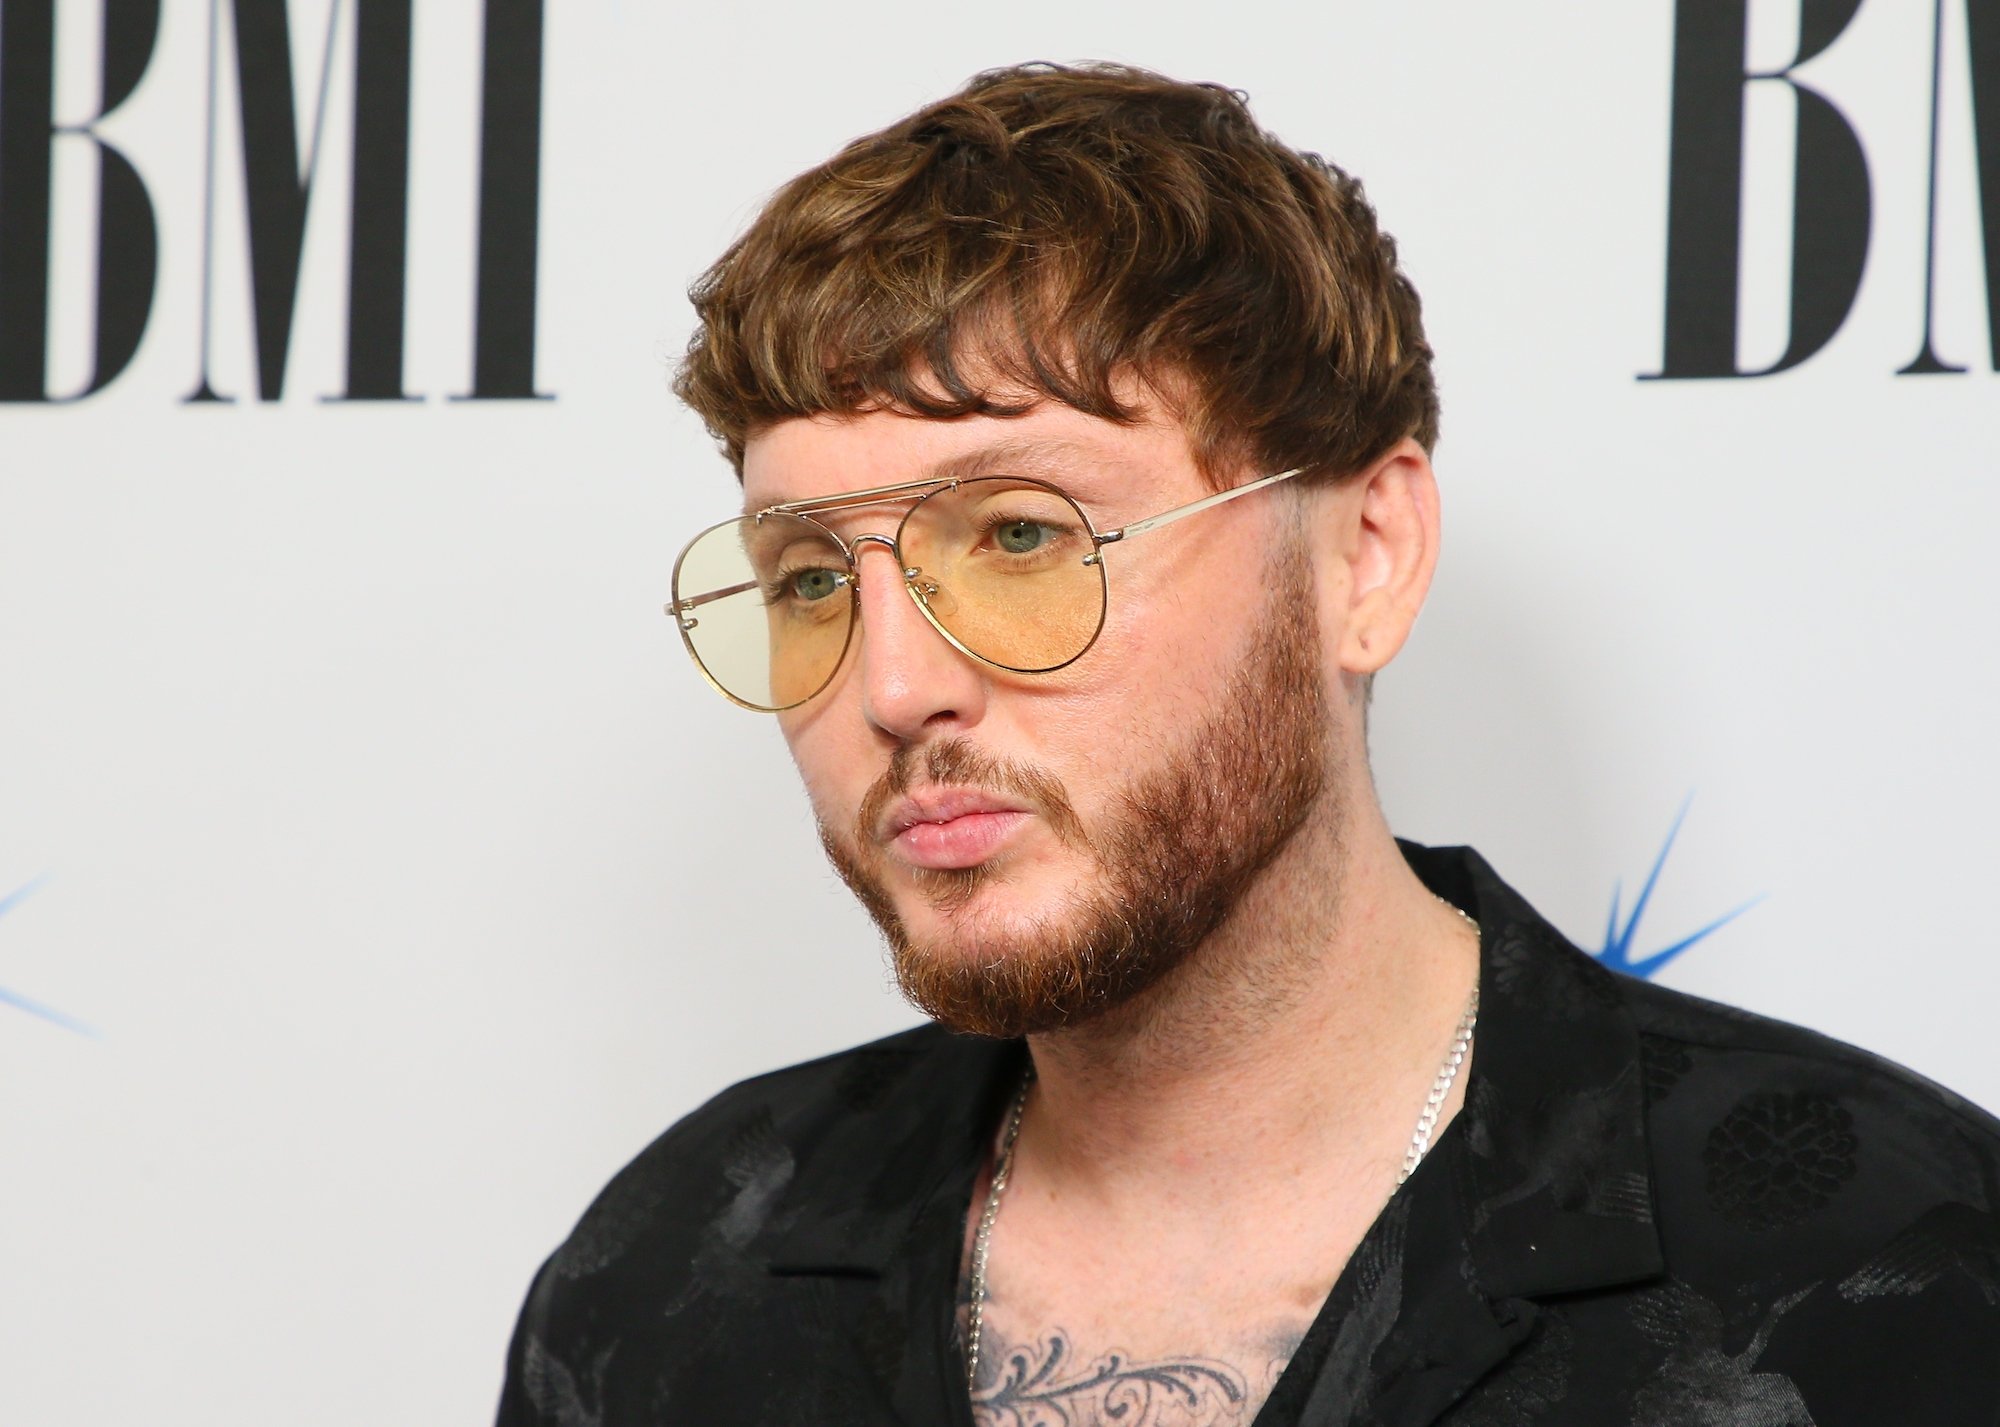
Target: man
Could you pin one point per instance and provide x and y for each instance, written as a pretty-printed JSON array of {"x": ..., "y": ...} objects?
[{"x": 1084, "y": 434}]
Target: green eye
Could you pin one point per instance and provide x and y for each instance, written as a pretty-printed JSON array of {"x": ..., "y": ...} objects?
[
  {"x": 1019, "y": 537},
  {"x": 815, "y": 584}
]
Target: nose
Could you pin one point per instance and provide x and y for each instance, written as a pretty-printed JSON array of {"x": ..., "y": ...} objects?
[{"x": 912, "y": 679}]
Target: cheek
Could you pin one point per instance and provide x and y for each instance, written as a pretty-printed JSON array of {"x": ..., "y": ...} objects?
[
  {"x": 834, "y": 774},
  {"x": 1165, "y": 658},
  {"x": 1189, "y": 601},
  {"x": 1129, "y": 703}
]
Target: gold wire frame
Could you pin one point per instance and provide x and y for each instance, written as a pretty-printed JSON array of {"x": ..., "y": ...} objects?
[{"x": 678, "y": 608}]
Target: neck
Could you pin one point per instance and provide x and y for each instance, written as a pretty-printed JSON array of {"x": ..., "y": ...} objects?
[{"x": 1302, "y": 1035}]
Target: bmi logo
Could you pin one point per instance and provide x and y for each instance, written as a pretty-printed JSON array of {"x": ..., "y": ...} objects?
[
  {"x": 1833, "y": 205},
  {"x": 250, "y": 45}
]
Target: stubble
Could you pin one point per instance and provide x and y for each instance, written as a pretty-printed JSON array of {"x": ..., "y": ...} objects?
[{"x": 1175, "y": 852}]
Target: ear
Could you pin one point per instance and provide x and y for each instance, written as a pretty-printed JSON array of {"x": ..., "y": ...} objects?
[{"x": 1384, "y": 544}]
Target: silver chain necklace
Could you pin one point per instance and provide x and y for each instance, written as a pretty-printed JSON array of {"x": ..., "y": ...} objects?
[{"x": 982, "y": 1238}]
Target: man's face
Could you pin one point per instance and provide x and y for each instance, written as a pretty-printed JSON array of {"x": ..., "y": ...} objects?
[{"x": 1040, "y": 848}]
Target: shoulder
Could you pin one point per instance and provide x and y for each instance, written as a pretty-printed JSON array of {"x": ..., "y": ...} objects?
[
  {"x": 1716, "y": 1071},
  {"x": 1836, "y": 1208},
  {"x": 670, "y": 1270},
  {"x": 740, "y": 1148}
]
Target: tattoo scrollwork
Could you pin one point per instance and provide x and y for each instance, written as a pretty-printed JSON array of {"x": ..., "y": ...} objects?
[{"x": 1043, "y": 1385}]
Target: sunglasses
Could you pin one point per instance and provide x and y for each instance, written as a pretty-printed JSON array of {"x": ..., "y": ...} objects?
[{"x": 1007, "y": 568}]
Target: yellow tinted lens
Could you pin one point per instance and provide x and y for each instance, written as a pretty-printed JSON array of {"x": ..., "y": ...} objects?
[
  {"x": 1001, "y": 568},
  {"x": 766, "y": 607}
]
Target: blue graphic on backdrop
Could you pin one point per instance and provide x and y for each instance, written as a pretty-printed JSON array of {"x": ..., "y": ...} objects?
[
  {"x": 1617, "y": 952},
  {"x": 20, "y": 1002}
]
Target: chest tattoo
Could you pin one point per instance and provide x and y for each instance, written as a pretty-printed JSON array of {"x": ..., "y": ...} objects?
[{"x": 1048, "y": 1382}]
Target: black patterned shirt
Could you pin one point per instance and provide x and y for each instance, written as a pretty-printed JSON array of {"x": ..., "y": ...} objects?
[{"x": 1653, "y": 1210}]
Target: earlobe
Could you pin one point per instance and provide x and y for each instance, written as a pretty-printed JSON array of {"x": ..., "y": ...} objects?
[{"x": 1391, "y": 551}]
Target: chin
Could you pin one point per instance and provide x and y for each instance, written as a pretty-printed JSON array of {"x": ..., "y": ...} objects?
[{"x": 969, "y": 913}]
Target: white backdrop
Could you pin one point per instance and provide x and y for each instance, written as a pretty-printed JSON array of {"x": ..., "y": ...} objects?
[{"x": 409, "y": 879}]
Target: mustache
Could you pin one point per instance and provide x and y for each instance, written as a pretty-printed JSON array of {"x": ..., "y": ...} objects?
[{"x": 955, "y": 761}]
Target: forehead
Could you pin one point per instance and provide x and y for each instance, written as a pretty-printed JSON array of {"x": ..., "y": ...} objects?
[{"x": 1096, "y": 461}]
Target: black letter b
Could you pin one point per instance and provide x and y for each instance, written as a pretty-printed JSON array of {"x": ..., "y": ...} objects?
[
  {"x": 1705, "y": 192},
  {"x": 127, "y": 240}
]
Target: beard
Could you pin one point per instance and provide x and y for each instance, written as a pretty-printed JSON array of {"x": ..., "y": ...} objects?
[{"x": 1180, "y": 845}]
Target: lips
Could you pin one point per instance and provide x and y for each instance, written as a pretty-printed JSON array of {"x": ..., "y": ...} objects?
[{"x": 944, "y": 828}]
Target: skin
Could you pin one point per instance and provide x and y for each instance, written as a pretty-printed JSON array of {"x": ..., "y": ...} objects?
[{"x": 1195, "y": 1166}]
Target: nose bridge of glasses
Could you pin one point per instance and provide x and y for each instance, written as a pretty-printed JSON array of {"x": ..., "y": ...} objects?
[
  {"x": 820, "y": 508},
  {"x": 869, "y": 537},
  {"x": 910, "y": 493},
  {"x": 855, "y": 545}
]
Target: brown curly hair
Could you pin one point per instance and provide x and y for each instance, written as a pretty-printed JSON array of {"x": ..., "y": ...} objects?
[{"x": 1049, "y": 230}]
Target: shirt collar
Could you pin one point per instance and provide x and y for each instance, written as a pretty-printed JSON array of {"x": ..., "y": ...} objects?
[
  {"x": 1550, "y": 1168},
  {"x": 926, "y": 1106}
]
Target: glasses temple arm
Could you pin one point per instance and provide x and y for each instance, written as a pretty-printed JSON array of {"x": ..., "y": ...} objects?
[
  {"x": 1181, "y": 512},
  {"x": 679, "y": 606}
]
